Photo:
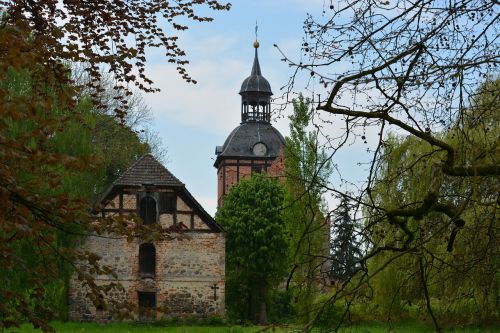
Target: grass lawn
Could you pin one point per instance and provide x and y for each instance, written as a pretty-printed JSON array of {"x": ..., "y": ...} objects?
[{"x": 144, "y": 328}]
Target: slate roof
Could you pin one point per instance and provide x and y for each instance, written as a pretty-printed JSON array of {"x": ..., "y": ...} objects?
[
  {"x": 147, "y": 170},
  {"x": 240, "y": 142},
  {"x": 256, "y": 82}
]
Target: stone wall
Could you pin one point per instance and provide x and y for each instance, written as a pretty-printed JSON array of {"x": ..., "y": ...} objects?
[{"x": 188, "y": 270}]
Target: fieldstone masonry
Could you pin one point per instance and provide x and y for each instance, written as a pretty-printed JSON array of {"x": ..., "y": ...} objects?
[{"x": 189, "y": 271}]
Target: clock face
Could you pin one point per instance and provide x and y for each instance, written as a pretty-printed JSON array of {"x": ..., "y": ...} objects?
[{"x": 259, "y": 149}]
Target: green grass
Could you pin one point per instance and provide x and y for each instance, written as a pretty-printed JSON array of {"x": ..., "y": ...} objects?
[
  {"x": 139, "y": 328},
  {"x": 403, "y": 327}
]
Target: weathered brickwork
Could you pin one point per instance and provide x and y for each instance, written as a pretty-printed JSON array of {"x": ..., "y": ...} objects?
[
  {"x": 188, "y": 275},
  {"x": 231, "y": 171}
]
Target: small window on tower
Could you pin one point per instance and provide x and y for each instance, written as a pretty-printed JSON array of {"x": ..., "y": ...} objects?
[
  {"x": 147, "y": 210},
  {"x": 168, "y": 203},
  {"x": 258, "y": 169}
]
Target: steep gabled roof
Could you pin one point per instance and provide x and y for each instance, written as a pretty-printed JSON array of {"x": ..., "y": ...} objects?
[{"x": 147, "y": 170}]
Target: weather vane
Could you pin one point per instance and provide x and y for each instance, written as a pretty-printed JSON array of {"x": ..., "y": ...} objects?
[{"x": 256, "y": 43}]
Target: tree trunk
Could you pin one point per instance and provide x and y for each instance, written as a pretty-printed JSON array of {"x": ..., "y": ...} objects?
[{"x": 262, "y": 310}]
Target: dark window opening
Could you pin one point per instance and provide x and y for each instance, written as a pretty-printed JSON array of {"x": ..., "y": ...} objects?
[
  {"x": 147, "y": 305},
  {"x": 168, "y": 203},
  {"x": 147, "y": 260},
  {"x": 100, "y": 304},
  {"x": 147, "y": 210},
  {"x": 258, "y": 169}
]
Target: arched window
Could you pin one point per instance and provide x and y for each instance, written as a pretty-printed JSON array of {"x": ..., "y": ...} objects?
[
  {"x": 147, "y": 210},
  {"x": 147, "y": 260}
]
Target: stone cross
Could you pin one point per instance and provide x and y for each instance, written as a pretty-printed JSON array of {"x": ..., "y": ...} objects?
[{"x": 214, "y": 287}]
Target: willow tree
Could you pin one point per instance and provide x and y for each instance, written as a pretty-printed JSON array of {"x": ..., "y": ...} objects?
[{"x": 415, "y": 68}]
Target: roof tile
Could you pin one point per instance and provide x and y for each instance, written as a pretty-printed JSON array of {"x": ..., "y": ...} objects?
[{"x": 147, "y": 170}]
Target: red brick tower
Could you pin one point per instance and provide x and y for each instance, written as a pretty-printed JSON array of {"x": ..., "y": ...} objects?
[{"x": 255, "y": 145}]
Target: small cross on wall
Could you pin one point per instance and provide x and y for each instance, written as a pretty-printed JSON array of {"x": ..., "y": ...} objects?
[{"x": 214, "y": 288}]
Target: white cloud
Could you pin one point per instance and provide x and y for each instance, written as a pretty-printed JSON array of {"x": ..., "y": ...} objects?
[{"x": 212, "y": 104}]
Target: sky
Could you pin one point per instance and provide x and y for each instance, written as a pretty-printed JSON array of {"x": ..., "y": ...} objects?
[{"x": 193, "y": 119}]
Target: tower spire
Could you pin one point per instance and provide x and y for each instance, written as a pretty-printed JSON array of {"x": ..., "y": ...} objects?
[
  {"x": 256, "y": 92},
  {"x": 256, "y": 65}
]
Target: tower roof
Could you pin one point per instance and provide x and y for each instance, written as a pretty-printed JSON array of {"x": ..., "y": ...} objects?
[
  {"x": 256, "y": 83},
  {"x": 240, "y": 142}
]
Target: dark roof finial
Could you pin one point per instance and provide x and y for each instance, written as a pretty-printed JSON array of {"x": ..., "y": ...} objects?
[{"x": 256, "y": 43}]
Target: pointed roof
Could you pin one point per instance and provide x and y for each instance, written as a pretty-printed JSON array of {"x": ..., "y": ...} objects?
[
  {"x": 256, "y": 82},
  {"x": 147, "y": 170},
  {"x": 256, "y": 65}
]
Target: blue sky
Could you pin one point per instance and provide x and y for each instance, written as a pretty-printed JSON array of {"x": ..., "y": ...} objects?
[{"x": 193, "y": 119}]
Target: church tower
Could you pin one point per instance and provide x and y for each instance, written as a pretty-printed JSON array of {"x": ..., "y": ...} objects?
[{"x": 255, "y": 145}]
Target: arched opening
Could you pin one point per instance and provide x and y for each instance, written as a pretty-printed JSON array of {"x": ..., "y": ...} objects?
[
  {"x": 147, "y": 210},
  {"x": 147, "y": 260}
]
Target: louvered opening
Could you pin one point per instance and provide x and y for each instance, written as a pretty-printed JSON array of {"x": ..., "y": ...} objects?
[
  {"x": 147, "y": 210},
  {"x": 168, "y": 203}
]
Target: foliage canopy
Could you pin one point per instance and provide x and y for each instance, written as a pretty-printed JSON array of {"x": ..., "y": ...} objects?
[
  {"x": 40, "y": 116},
  {"x": 426, "y": 70},
  {"x": 256, "y": 245}
]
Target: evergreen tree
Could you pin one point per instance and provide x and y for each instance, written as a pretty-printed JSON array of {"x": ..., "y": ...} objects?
[{"x": 345, "y": 251}]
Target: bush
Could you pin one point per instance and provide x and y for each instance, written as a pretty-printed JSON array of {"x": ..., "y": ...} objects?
[{"x": 280, "y": 306}]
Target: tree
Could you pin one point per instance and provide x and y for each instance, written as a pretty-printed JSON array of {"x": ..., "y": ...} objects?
[
  {"x": 139, "y": 116},
  {"x": 31, "y": 265},
  {"x": 256, "y": 245},
  {"x": 114, "y": 34},
  {"x": 40, "y": 38},
  {"x": 307, "y": 168},
  {"x": 415, "y": 68},
  {"x": 345, "y": 248}
]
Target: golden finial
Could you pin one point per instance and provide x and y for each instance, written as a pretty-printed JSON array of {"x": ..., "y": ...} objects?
[{"x": 256, "y": 43}]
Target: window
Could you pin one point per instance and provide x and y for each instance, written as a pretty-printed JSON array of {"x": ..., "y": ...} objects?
[
  {"x": 147, "y": 305},
  {"x": 258, "y": 168},
  {"x": 100, "y": 305},
  {"x": 168, "y": 203},
  {"x": 147, "y": 210},
  {"x": 147, "y": 260}
]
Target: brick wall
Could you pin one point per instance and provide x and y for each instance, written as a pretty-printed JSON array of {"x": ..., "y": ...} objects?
[
  {"x": 187, "y": 270},
  {"x": 229, "y": 174}
]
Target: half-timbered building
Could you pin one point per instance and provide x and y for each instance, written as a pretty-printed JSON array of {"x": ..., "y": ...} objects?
[{"x": 179, "y": 276}]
